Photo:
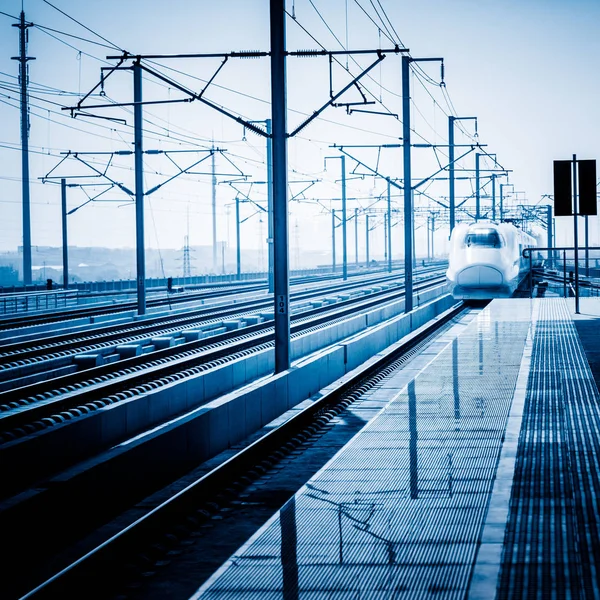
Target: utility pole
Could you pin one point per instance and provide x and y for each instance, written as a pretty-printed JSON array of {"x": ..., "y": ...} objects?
[
  {"x": 280, "y": 185},
  {"x": 344, "y": 222},
  {"x": 408, "y": 224},
  {"x": 385, "y": 233},
  {"x": 139, "y": 188},
  {"x": 344, "y": 217},
  {"x": 550, "y": 232},
  {"x": 214, "y": 210},
  {"x": 270, "y": 202},
  {"x": 432, "y": 237},
  {"x": 493, "y": 197},
  {"x": 502, "y": 186},
  {"x": 389, "y": 225},
  {"x": 452, "y": 198},
  {"x": 477, "y": 197},
  {"x": 576, "y": 233},
  {"x": 237, "y": 237},
  {"x": 367, "y": 240},
  {"x": 409, "y": 248},
  {"x": 333, "y": 240},
  {"x": 587, "y": 251},
  {"x": 428, "y": 242},
  {"x": 356, "y": 235},
  {"x": 23, "y": 80},
  {"x": 65, "y": 247},
  {"x": 414, "y": 242}
]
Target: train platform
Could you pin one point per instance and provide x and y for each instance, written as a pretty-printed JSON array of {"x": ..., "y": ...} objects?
[{"x": 479, "y": 479}]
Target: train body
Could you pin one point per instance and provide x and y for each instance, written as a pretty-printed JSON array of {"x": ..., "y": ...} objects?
[{"x": 486, "y": 260}]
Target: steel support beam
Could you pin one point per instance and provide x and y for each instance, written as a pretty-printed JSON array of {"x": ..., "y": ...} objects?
[
  {"x": 367, "y": 239},
  {"x": 214, "y": 210},
  {"x": 477, "y": 192},
  {"x": 385, "y": 231},
  {"x": 270, "y": 202},
  {"x": 587, "y": 250},
  {"x": 237, "y": 238},
  {"x": 333, "y": 265},
  {"x": 65, "y": 246},
  {"x": 139, "y": 188},
  {"x": 280, "y": 185},
  {"x": 493, "y": 197},
  {"x": 356, "y": 236},
  {"x": 408, "y": 208},
  {"x": 452, "y": 199},
  {"x": 344, "y": 222},
  {"x": 576, "y": 233},
  {"x": 549, "y": 230},
  {"x": 389, "y": 225}
]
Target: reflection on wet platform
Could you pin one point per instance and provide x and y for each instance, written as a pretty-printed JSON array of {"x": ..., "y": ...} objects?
[{"x": 401, "y": 508}]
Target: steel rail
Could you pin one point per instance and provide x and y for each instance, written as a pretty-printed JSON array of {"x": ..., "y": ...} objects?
[{"x": 110, "y": 556}]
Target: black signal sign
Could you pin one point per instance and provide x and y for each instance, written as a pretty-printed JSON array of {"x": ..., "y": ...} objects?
[
  {"x": 587, "y": 187},
  {"x": 563, "y": 187}
]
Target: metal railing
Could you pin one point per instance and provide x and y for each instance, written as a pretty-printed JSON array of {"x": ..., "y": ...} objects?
[
  {"x": 559, "y": 274},
  {"x": 34, "y": 301}
]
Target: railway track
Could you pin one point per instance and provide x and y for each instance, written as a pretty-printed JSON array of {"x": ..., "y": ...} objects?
[
  {"x": 34, "y": 422},
  {"x": 14, "y": 322},
  {"x": 120, "y": 566},
  {"x": 16, "y": 354}
]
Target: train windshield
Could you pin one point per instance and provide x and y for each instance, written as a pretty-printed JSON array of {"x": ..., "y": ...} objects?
[{"x": 488, "y": 238}]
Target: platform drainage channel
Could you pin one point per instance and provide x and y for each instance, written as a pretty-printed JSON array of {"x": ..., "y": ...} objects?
[
  {"x": 399, "y": 511},
  {"x": 552, "y": 541}
]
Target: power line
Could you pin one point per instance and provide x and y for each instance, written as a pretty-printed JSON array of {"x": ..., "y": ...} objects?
[
  {"x": 382, "y": 21},
  {"x": 7, "y": 15},
  {"x": 84, "y": 26},
  {"x": 373, "y": 21},
  {"x": 77, "y": 37},
  {"x": 389, "y": 21},
  {"x": 374, "y": 96}
]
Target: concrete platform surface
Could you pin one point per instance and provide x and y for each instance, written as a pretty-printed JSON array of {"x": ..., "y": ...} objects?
[{"x": 479, "y": 479}]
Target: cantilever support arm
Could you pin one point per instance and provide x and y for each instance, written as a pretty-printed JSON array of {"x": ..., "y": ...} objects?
[
  {"x": 302, "y": 125},
  {"x": 181, "y": 172},
  {"x": 433, "y": 199},
  {"x": 195, "y": 96},
  {"x": 301, "y": 192},
  {"x": 101, "y": 174},
  {"x": 91, "y": 198},
  {"x": 248, "y": 199},
  {"x": 373, "y": 171},
  {"x": 100, "y": 84},
  {"x": 443, "y": 168}
]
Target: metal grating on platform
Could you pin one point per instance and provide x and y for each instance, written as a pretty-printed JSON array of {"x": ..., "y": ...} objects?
[
  {"x": 399, "y": 512},
  {"x": 552, "y": 542}
]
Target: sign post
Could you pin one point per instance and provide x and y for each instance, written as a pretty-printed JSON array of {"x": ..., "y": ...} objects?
[{"x": 567, "y": 200}]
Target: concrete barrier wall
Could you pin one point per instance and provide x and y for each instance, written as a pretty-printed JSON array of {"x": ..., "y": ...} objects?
[{"x": 205, "y": 431}]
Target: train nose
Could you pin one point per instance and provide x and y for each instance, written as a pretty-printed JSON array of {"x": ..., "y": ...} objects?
[{"x": 479, "y": 276}]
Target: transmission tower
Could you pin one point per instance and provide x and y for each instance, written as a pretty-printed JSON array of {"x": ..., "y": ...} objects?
[
  {"x": 23, "y": 81},
  {"x": 187, "y": 262}
]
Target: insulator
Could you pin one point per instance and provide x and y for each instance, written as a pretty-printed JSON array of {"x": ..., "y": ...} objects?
[
  {"x": 248, "y": 54},
  {"x": 309, "y": 52}
]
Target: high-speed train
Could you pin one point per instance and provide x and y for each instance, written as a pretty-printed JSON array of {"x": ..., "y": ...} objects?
[{"x": 486, "y": 260}]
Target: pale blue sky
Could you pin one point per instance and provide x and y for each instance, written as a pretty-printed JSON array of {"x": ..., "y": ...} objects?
[{"x": 526, "y": 69}]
